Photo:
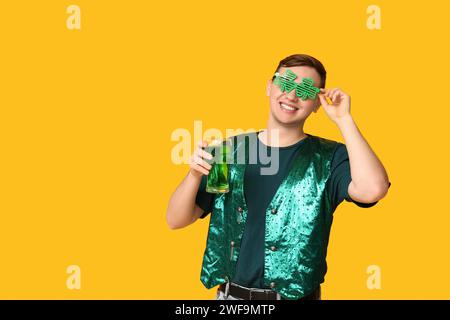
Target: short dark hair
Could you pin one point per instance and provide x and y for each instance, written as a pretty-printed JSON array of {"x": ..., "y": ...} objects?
[{"x": 297, "y": 60}]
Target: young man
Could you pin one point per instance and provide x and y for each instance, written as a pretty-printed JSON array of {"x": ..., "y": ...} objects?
[{"x": 268, "y": 235}]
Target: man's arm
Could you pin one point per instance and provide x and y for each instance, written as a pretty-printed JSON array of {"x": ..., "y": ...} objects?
[
  {"x": 182, "y": 209},
  {"x": 370, "y": 181}
]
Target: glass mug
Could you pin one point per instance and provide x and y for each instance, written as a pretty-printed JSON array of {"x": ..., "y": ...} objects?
[{"x": 217, "y": 180}]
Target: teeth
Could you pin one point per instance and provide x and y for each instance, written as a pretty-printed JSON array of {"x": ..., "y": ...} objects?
[{"x": 285, "y": 106}]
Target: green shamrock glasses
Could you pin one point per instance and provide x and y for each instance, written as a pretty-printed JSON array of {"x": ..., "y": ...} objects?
[{"x": 304, "y": 90}]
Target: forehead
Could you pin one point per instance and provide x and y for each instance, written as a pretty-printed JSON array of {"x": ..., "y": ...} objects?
[{"x": 303, "y": 72}]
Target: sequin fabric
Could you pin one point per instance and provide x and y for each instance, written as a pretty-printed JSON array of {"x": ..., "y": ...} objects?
[{"x": 298, "y": 222}]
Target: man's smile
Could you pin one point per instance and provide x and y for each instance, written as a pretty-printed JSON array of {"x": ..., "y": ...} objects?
[{"x": 287, "y": 107}]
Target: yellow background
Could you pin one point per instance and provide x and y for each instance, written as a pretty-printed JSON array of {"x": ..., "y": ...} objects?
[{"x": 87, "y": 115}]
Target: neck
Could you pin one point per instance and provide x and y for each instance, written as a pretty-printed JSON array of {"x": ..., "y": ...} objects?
[{"x": 287, "y": 135}]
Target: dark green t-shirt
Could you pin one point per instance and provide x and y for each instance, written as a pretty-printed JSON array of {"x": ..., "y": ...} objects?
[{"x": 259, "y": 191}]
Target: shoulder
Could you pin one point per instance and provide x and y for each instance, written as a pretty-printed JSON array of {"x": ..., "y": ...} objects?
[
  {"x": 241, "y": 136},
  {"x": 243, "y": 139},
  {"x": 326, "y": 145}
]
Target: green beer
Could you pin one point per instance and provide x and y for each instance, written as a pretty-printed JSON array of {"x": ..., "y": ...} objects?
[{"x": 217, "y": 181}]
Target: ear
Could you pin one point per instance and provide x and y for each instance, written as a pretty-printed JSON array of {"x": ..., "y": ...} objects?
[{"x": 269, "y": 87}]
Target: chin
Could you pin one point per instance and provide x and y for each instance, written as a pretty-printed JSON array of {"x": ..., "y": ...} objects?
[
  {"x": 289, "y": 122},
  {"x": 289, "y": 119}
]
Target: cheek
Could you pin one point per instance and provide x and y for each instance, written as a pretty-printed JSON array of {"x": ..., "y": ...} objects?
[
  {"x": 308, "y": 104},
  {"x": 275, "y": 92},
  {"x": 274, "y": 97}
]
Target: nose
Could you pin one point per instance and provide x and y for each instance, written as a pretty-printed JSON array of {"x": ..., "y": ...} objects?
[{"x": 292, "y": 96}]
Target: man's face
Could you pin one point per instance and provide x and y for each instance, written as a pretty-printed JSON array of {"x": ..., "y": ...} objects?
[{"x": 280, "y": 101}]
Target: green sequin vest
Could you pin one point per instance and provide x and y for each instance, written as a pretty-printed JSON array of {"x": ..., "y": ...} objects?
[{"x": 298, "y": 223}]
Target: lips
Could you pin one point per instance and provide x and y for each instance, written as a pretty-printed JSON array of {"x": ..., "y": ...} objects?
[{"x": 288, "y": 107}]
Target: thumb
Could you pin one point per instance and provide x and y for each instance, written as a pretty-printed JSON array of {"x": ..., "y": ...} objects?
[{"x": 323, "y": 100}]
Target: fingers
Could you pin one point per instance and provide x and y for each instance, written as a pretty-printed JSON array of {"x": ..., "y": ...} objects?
[
  {"x": 326, "y": 93},
  {"x": 323, "y": 100},
  {"x": 202, "y": 144},
  {"x": 203, "y": 154},
  {"x": 333, "y": 94},
  {"x": 198, "y": 168},
  {"x": 195, "y": 164},
  {"x": 196, "y": 161}
]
